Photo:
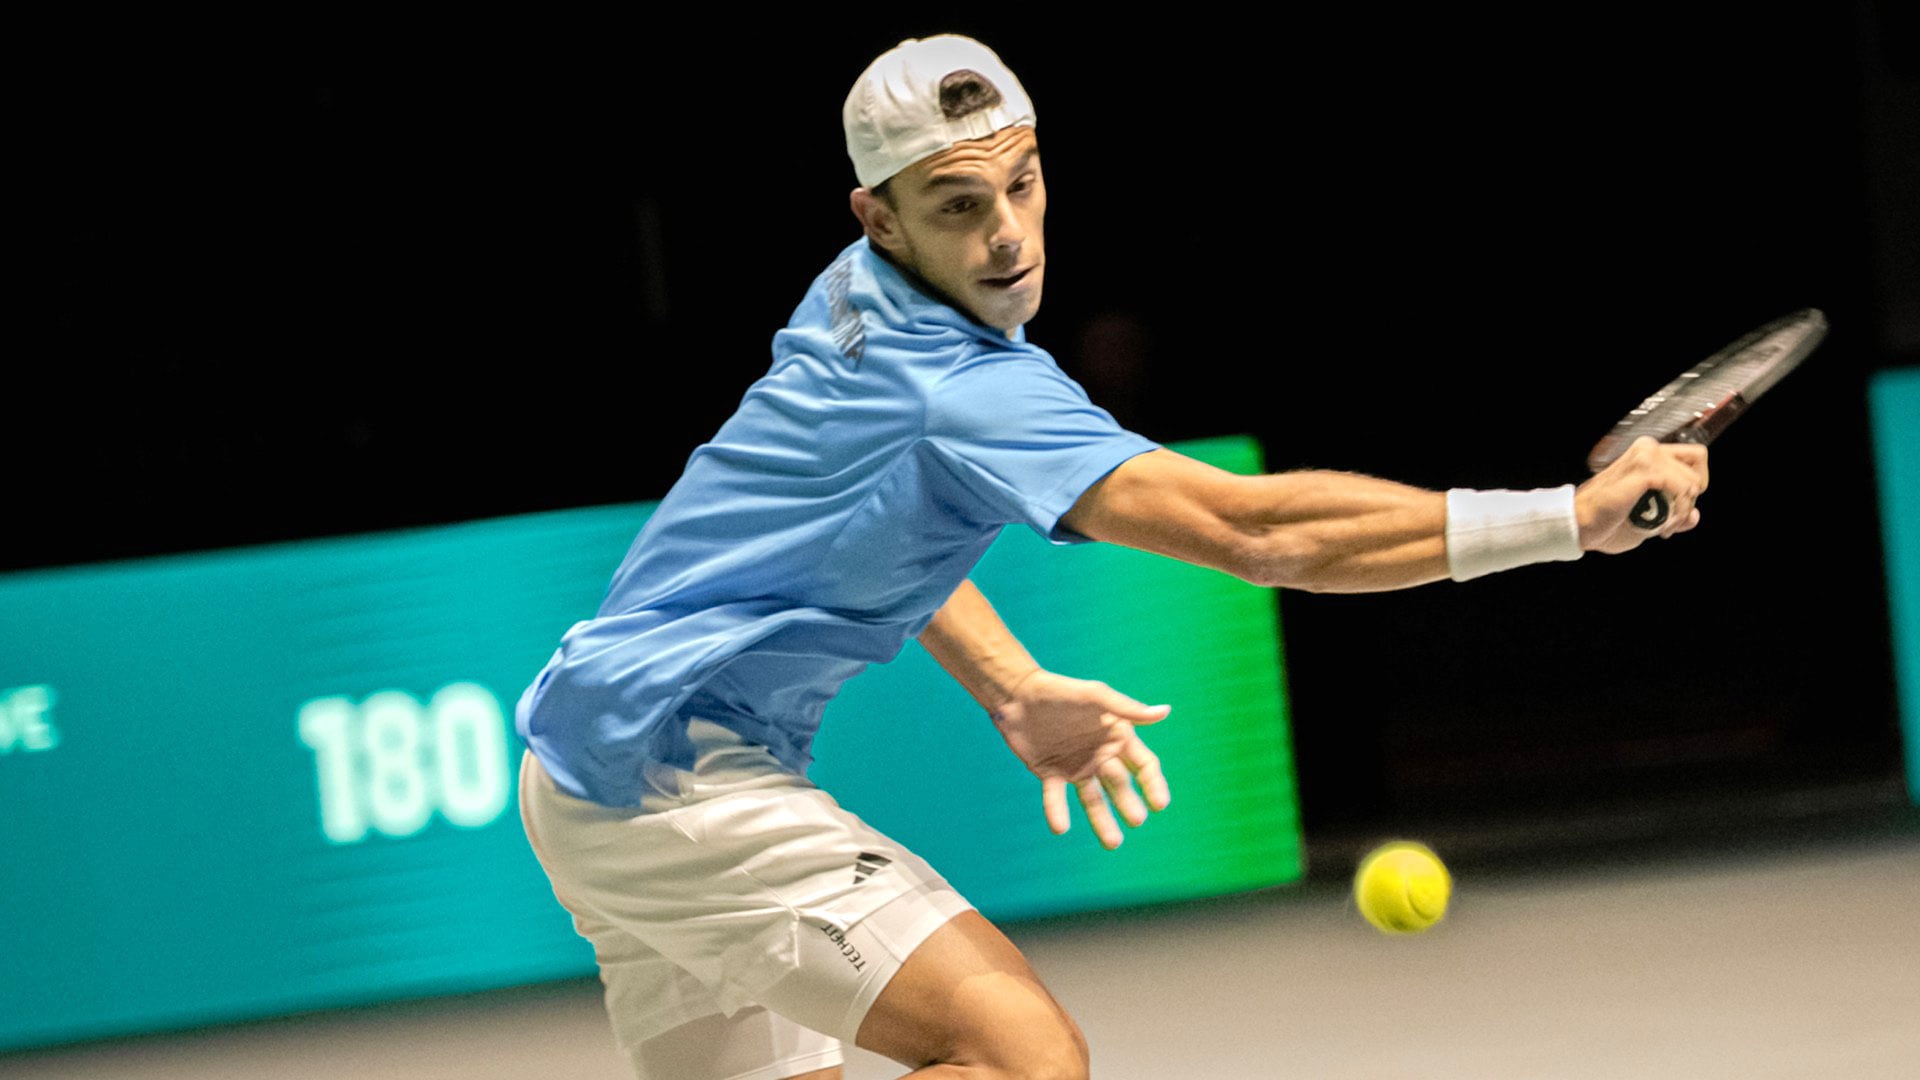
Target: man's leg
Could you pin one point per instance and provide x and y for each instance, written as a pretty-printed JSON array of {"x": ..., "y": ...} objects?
[
  {"x": 884, "y": 952},
  {"x": 967, "y": 1005}
]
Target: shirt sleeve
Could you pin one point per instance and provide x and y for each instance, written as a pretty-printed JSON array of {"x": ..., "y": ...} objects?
[{"x": 1022, "y": 441}]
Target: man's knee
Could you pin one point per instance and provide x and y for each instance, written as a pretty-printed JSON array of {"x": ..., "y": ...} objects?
[
  {"x": 1008, "y": 1029},
  {"x": 1064, "y": 1057},
  {"x": 967, "y": 997},
  {"x": 1049, "y": 1046}
]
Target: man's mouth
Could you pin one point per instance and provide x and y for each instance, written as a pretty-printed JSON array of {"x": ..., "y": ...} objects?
[{"x": 1006, "y": 282}]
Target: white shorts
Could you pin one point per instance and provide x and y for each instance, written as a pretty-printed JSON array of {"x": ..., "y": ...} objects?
[{"x": 743, "y": 922}]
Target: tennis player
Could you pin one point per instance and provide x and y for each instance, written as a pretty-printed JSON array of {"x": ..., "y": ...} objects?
[{"x": 745, "y": 925}]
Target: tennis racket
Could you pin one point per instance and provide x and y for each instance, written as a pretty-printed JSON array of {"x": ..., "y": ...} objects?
[{"x": 1698, "y": 406}]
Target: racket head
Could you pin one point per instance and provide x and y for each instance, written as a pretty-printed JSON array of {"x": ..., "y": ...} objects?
[{"x": 1698, "y": 406}]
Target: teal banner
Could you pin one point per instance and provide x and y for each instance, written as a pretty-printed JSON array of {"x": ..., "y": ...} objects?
[
  {"x": 246, "y": 783},
  {"x": 1895, "y": 401}
]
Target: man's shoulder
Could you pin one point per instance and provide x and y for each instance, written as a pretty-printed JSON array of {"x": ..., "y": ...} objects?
[
  {"x": 893, "y": 296},
  {"x": 865, "y": 319}
]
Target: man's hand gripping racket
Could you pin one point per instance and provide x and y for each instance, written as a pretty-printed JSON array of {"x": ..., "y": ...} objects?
[{"x": 1692, "y": 411}]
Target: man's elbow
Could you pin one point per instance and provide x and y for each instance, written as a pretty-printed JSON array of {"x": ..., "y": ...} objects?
[{"x": 1281, "y": 558}]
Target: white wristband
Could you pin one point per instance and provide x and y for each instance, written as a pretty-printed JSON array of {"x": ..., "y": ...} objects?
[{"x": 1489, "y": 531}]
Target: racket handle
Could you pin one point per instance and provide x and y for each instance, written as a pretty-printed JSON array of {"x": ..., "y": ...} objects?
[{"x": 1651, "y": 511}]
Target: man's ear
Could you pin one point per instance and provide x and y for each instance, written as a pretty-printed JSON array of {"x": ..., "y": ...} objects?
[{"x": 879, "y": 220}]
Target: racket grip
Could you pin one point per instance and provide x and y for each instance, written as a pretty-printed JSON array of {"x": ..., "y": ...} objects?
[{"x": 1651, "y": 511}]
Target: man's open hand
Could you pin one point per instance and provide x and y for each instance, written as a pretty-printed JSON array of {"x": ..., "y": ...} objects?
[{"x": 1080, "y": 733}]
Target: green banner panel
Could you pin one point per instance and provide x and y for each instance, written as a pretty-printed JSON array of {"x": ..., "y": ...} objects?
[
  {"x": 1895, "y": 400},
  {"x": 246, "y": 783}
]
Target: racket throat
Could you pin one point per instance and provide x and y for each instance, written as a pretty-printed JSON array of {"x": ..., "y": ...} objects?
[{"x": 1710, "y": 423}]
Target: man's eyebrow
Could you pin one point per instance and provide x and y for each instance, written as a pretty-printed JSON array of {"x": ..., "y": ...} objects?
[
  {"x": 953, "y": 180},
  {"x": 964, "y": 180}
]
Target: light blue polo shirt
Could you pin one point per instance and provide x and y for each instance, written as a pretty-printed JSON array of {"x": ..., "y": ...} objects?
[{"x": 824, "y": 524}]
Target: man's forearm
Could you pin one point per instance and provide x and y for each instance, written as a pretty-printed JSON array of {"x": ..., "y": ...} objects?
[
  {"x": 968, "y": 639},
  {"x": 1343, "y": 532},
  {"x": 1316, "y": 530}
]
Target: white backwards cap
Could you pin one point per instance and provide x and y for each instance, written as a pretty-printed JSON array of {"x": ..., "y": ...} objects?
[{"x": 902, "y": 108}]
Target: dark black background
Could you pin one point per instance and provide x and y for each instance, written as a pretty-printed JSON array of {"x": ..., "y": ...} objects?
[{"x": 310, "y": 280}]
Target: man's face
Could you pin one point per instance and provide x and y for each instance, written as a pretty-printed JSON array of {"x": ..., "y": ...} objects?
[{"x": 969, "y": 221}]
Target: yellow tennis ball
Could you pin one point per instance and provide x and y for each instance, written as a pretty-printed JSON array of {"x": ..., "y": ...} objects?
[{"x": 1402, "y": 887}]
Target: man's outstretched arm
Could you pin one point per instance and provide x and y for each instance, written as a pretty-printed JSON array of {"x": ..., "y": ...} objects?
[
  {"x": 1340, "y": 532},
  {"x": 1069, "y": 732}
]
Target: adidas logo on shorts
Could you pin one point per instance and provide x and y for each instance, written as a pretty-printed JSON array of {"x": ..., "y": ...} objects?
[{"x": 867, "y": 865}]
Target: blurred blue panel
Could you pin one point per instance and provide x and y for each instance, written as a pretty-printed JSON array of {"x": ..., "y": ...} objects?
[{"x": 1895, "y": 399}]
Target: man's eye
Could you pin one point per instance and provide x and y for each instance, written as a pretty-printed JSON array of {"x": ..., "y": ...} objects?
[{"x": 959, "y": 206}]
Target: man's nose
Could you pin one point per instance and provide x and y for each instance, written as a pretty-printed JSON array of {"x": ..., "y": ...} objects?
[{"x": 1008, "y": 233}]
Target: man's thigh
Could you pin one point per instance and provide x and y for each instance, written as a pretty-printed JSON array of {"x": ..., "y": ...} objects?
[
  {"x": 756, "y": 898},
  {"x": 968, "y": 996},
  {"x": 844, "y": 966}
]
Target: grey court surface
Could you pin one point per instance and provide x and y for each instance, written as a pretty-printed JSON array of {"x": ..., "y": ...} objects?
[{"x": 1752, "y": 962}]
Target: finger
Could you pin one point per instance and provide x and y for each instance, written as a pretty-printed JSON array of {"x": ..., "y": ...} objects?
[
  {"x": 1681, "y": 485},
  {"x": 1119, "y": 783},
  {"x": 1669, "y": 463},
  {"x": 1133, "y": 711},
  {"x": 1691, "y": 453},
  {"x": 1678, "y": 507},
  {"x": 1694, "y": 457},
  {"x": 1680, "y": 521},
  {"x": 1146, "y": 767},
  {"x": 1682, "y": 498},
  {"x": 1053, "y": 799},
  {"x": 1099, "y": 814},
  {"x": 1690, "y": 456}
]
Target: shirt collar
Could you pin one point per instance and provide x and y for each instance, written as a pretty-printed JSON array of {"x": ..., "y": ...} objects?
[{"x": 922, "y": 301}]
